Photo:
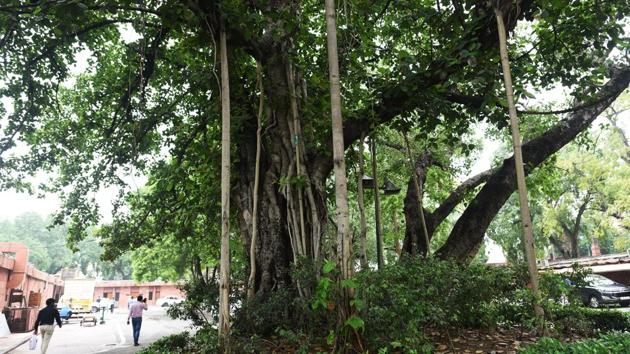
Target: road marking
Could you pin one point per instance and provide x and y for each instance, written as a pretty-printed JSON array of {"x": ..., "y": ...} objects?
[
  {"x": 120, "y": 333},
  {"x": 121, "y": 344}
]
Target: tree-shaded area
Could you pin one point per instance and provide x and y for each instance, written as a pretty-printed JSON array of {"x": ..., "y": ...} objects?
[{"x": 148, "y": 104}]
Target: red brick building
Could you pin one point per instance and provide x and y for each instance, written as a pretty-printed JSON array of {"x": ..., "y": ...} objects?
[
  {"x": 23, "y": 289},
  {"x": 123, "y": 290},
  {"x": 17, "y": 275}
]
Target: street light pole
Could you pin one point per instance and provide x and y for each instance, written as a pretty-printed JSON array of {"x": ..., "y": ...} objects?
[{"x": 377, "y": 207}]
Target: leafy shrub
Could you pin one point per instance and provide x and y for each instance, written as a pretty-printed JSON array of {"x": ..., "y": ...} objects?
[
  {"x": 614, "y": 342},
  {"x": 201, "y": 304},
  {"x": 586, "y": 321},
  {"x": 205, "y": 341},
  {"x": 405, "y": 297},
  {"x": 281, "y": 309},
  {"x": 176, "y": 343}
]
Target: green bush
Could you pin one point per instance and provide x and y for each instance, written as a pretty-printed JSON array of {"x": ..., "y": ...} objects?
[
  {"x": 403, "y": 298},
  {"x": 205, "y": 341},
  {"x": 202, "y": 301},
  {"x": 614, "y": 342},
  {"x": 587, "y": 321},
  {"x": 176, "y": 343},
  {"x": 281, "y": 309}
]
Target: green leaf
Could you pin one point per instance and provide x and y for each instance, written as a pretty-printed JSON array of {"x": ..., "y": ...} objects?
[
  {"x": 355, "y": 322},
  {"x": 349, "y": 283},
  {"x": 330, "y": 339},
  {"x": 328, "y": 267}
]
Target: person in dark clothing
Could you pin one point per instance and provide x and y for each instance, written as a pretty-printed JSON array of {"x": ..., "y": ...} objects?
[{"x": 45, "y": 320}]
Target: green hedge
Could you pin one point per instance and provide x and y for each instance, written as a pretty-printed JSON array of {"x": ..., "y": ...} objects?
[
  {"x": 613, "y": 342},
  {"x": 176, "y": 343},
  {"x": 586, "y": 321},
  {"x": 205, "y": 341}
]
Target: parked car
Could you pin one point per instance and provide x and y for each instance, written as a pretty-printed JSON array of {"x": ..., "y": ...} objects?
[
  {"x": 102, "y": 302},
  {"x": 168, "y": 301},
  {"x": 603, "y": 291}
]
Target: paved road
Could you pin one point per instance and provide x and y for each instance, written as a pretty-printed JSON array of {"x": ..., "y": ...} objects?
[{"x": 113, "y": 337}]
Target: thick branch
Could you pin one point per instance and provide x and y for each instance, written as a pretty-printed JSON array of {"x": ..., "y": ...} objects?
[
  {"x": 467, "y": 234},
  {"x": 457, "y": 195}
]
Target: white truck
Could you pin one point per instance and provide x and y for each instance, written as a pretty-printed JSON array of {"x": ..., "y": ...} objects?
[{"x": 78, "y": 295}]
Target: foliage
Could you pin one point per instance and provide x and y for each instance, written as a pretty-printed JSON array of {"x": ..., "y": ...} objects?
[
  {"x": 201, "y": 304},
  {"x": 204, "y": 341},
  {"x": 175, "y": 343},
  {"x": 614, "y": 342},
  {"x": 47, "y": 249},
  {"x": 402, "y": 299},
  {"x": 577, "y": 194},
  {"x": 281, "y": 310},
  {"x": 147, "y": 106},
  {"x": 586, "y": 321},
  {"x": 49, "y": 252}
]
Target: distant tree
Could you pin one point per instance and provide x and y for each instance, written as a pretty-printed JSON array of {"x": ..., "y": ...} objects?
[
  {"x": 47, "y": 246},
  {"x": 579, "y": 196}
]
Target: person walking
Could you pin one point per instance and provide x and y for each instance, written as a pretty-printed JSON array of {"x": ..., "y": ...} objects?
[
  {"x": 45, "y": 320},
  {"x": 135, "y": 314}
]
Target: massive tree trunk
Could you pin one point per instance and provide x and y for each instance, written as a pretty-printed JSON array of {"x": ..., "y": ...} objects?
[
  {"x": 467, "y": 234},
  {"x": 280, "y": 241}
]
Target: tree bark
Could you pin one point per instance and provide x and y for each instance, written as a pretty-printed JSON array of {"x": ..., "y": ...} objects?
[
  {"x": 573, "y": 234},
  {"x": 574, "y": 251},
  {"x": 560, "y": 246},
  {"x": 251, "y": 283},
  {"x": 419, "y": 196},
  {"x": 341, "y": 188},
  {"x": 526, "y": 220},
  {"x": 224, "y": 284},
  {"x": 413, "y": 228},
  {"x": 279, "y": 243},
  {"x": 467, "y": 234}
]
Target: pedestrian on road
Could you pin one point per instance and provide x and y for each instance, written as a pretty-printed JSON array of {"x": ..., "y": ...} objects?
[
  {"x": 45, "y": 320},
  {"x": 135, "y": 314}
]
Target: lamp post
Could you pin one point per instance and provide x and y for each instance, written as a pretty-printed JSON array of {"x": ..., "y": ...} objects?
[{"x": 388, "y": 189}]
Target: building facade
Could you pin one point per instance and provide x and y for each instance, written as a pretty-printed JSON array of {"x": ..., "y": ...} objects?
[
  {"x": 30, "y": 287},
  {"x": 125, "y": 290}
]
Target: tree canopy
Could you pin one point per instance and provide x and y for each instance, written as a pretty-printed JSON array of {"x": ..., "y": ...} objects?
[{"x": 148, "y": 104}]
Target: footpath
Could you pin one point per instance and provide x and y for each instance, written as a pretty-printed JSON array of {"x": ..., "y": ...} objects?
[{"x": 12, "y": 341}]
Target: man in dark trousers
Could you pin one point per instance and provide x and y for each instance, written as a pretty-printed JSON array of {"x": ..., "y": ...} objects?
[
  {"x": 135, "y": 314},
  {"x": 45, "y": 320}
]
